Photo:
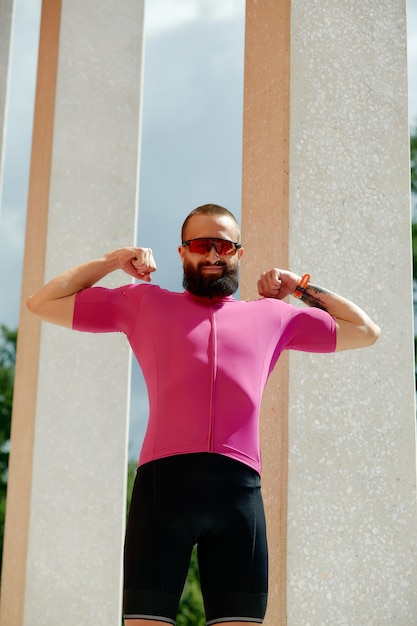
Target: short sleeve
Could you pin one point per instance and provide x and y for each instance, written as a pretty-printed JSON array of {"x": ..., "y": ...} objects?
[
  {"x": 310, "y": 330},
  {"x": 102, "y": 310}
]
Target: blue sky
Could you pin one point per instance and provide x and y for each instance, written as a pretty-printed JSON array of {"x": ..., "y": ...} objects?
[{"x": 191, "y": 137}]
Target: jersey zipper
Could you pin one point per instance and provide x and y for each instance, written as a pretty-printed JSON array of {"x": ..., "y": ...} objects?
[{"x": 213, "y": 347}]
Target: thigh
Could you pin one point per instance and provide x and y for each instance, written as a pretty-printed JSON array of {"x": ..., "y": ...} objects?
[
  {"x": 233, "y": 553},
  {"x": 157, "y": 544}
]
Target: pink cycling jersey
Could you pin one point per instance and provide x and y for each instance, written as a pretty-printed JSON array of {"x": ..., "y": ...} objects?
[{"x": 205, "y": 362}]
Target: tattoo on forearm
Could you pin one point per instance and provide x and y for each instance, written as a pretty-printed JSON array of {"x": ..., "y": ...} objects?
[{"x": 313, "y": 299}]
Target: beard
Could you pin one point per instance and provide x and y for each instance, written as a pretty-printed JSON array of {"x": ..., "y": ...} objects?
[{"x": 198, "y": 284}]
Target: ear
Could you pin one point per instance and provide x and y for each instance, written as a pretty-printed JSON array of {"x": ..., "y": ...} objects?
[
  {"x": 181, "y": 251},
  {"x": 240, "y": 253}
]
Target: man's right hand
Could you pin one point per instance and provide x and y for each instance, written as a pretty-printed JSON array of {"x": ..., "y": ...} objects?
[{"x": 137, "y": 262}]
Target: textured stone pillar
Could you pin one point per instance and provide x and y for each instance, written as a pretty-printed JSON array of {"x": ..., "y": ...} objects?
[
  {"x": 352, "y": 524},
  {"x": 66, "y": 500},
  {"x": 351, "y": 520}
]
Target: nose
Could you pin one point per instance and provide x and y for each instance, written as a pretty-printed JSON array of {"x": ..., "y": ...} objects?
[{"x": 212, "y": 256}]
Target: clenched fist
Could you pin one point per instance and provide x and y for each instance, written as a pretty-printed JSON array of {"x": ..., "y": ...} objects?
[
  {"x": 276, "y": 283},
  {"x": 137, "y": 262}
]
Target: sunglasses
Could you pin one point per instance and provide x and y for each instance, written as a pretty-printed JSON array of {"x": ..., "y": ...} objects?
[{"x": 203, "y": 245}]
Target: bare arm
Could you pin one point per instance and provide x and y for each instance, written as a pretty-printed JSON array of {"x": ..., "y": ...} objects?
[
  {"x": 355, "y": 329},
  {"x": 54, "y": 302}
]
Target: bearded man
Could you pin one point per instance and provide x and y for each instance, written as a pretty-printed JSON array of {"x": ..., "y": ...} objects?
[{"x": 206, "y": 358}]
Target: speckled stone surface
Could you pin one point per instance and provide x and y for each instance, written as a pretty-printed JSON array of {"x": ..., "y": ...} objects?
[
  {"x": 78, "y": 496},
  {"x": 352, "y": 522}
]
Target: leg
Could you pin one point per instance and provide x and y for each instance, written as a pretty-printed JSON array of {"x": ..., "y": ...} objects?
[
  {"x": 232, "y": 553},
  {"x": 158, "y": 544}
]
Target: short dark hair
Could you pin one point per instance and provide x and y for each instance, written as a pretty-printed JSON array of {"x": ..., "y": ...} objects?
[{"x": 209, "y": 209}]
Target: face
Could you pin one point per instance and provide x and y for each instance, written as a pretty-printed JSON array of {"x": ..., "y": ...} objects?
[{"x": 210, "y": 274}]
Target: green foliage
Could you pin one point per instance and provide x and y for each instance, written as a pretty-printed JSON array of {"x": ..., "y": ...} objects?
[
  {"x": 131, "y": 475},
  {"x": 413, "y": 158},
  {"x": 414, "y": 244},
  {"x": 8, "y": 340},
  {"x": 191, "y": 609},
  {"x": 413, "y": 177}
]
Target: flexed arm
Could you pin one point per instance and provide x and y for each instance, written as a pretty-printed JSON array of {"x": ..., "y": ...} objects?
[
  {"x": 54, "y": 302},
  {"x": 355, "y": 329}
]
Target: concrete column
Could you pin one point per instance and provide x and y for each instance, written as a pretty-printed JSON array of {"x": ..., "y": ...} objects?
[
  {"x": 352, "y": 522},
  {"x": 349, "y": 532},
  {"x": 66, "y": 500}
]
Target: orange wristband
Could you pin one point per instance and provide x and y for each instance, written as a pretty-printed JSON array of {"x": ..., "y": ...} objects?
[{"x": 300, "y": 289}]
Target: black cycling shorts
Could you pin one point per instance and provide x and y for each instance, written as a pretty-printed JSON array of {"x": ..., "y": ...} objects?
[{"x": 204, "y": 499}]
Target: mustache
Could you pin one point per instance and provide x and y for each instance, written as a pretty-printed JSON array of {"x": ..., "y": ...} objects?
[{"x": 216, "y": 264}]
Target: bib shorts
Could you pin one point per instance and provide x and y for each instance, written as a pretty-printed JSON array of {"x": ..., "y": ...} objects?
[{"x": 205, "y": 499}]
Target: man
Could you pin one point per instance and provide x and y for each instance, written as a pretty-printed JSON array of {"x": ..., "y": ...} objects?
[{"x": 206, "y": 358}]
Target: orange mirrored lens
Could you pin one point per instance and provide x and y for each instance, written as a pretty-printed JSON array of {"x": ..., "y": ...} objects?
[{"x": 203, "y": 245}]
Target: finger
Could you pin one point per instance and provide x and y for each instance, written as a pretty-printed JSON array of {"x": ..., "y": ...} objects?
[
  {"x": 144, "y": 276},
  {"x": 274, "y": 279},
  {"x": 149, "y": 259},
  {"x": 271, "y": 277},
  {"x": 144, "y": 261},
  {"x": 143, "y": 268},
  {"x": 267, "y": 291},
  {"x": 270, "y": 283}
]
